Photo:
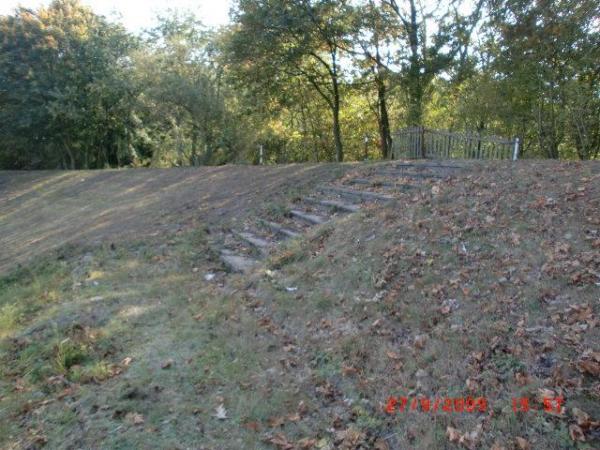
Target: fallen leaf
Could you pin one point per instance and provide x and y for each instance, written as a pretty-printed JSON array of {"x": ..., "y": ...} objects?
[
  {"x": 252, "y": 426},
  {"x": 478, "y": 356},
  {"x": 134, "y": 418},
  {"x": 453, "y": 434},
  {"x": 381, "y": 444},
  {"x": 590, "y": 363},
  {"x": 302, "y": 408},
  {"x": 472, "y": 385},
  {"x": 523, "y": 444},
  {"x": 350, "y": 438},
  {"x": 221, "y": 412},
  {"x": 392, "y": 355},
  {"x": 276, "y": 422},
  {"x": 471, "y": 439},
  {"x": 295, "y": 417},
  {"x": 348, "y": 370},
  {"x": 281, "y": 442},
  {"x": 576, "y": 433},
  {"x": 126, "y": 361},
  {"x": 420, "y": 341},
  {"x": 306, "y": 443},
  {"x": 522, "y": 378},
  {"x": 583, "y": 418}
]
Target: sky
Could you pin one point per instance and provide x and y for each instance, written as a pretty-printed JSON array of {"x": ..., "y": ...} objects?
[{"x": 139, "y": 14}]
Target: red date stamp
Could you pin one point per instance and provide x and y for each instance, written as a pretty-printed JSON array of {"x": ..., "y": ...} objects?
[
  {"x": 552, "y": 405},
  {"x": 425, "y": 404}
]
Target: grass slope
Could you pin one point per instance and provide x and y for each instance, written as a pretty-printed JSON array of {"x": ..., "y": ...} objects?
[{"x": 483, "y": 286}]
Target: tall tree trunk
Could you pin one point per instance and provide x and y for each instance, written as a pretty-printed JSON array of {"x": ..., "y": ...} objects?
[
  {"x": 385, "y": 136},
  {"x": 415, "y": 106},
  {"x": 337, "y": 135},
  {"x": 69, "y": 154},
  {"x": 194, "y": 156},
  {"x": 415, "y": 85},
  {"x": 337, "y": 132}
]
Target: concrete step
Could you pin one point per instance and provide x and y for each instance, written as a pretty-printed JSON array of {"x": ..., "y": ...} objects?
[
  {"x": 238, "y": 263},
  {"x": 312, "y": 219},
  {"x": 365, "y": 195},
  {"x": 348, "y": 207},
  {"x": 276, "y": 228}
]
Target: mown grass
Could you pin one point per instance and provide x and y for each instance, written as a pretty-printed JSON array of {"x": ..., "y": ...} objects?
[
  {"x": 482, "y": 249},
  {"x": 96, "y": 331},
  {"x": 128, "y": 346}
]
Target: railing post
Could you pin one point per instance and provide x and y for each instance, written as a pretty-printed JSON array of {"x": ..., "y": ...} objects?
[
  {"x": 516, "y": 150},
  {"x": 422, "y": 141}
]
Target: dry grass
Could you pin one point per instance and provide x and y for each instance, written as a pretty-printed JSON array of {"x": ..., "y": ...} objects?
[{"x": 478, "y": 286}]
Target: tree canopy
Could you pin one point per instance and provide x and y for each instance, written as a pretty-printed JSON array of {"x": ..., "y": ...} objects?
[{"x": 305, "y": 80}]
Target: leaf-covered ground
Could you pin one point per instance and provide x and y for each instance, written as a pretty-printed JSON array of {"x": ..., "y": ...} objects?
[{"x": 485, "y": 286}]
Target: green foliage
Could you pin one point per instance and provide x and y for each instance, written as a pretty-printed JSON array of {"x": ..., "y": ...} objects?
[
  {"x": 64, "y": 98},
  {"x": 539, "y": 78},
  {"x": 10, "y": 314},
  {"x": 293, "y": 42},
  {"x": 67, "y": 354},
  {"x": 312, "y": 80}
]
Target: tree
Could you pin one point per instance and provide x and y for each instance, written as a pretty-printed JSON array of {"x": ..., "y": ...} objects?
[
  {"x": 182, "y": 93},
  {"x": 374, "y": 32},
  {"x": 546, "y": 55},
  {"x": 299, "y": 41},
  {"x": 64, "y": 91},
  {"x": 431, "y": 41}
]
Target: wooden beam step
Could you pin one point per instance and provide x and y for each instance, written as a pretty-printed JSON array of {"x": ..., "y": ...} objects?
[
  {"x": 309, "y": 218},
  {"x": 281, "y": 230},
  {"x": 349, "y": 207},
  {"x": 376, "y": 183},
  {"x": 428, "y": 166},
  {"x": 260, "y": 243},
  {"x": 366, "y": 195},
  {"x": 238, "y": 263},
  {"x": 391, "y": 173}
]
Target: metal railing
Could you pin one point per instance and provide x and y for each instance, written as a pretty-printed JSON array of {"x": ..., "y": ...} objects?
[{"x": 421, "y": 142}]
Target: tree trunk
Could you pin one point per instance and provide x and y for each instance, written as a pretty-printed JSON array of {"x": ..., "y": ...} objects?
[
  {"x": 194, "y": 156},
  {"x": 337, "y": 135},
  {"x": 415, "y": 106},
  {"x": 415, "y": 86},
  {"x": 337, "y": 132},
  {"x": 69, "y": 154},
  {"x": 385, "y": 137}
]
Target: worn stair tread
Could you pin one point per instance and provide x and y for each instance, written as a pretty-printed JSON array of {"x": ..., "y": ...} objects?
[
  {"x": 428, "y": 166},
  {"x": 349, "y": 207},
  {"x": 310, "y": 218},
  {"x": 238, "y": 263},
  {"x": 260, "y": 243},
  {"x": 392, "y": 173},
  {"x": 354, "y": 193},
  {"x": 376, "y": 183},
  {"x": 281, "y": 230}
]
